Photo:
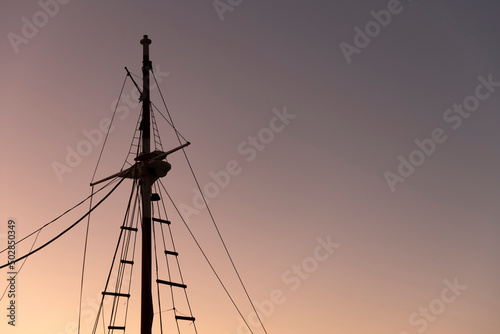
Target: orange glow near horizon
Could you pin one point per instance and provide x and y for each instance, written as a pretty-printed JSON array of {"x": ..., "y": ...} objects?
[{"x": 292, "y": 144}]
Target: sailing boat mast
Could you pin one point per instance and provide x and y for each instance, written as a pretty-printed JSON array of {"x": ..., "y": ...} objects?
[
  {"x": 146, "y": 183},
  {"x": 149, "y": 167}
]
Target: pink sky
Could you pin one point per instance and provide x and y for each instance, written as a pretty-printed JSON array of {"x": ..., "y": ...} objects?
[{"x": 420, "y": 259}]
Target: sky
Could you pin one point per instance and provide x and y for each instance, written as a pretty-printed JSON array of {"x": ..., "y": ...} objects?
[{"x": 347, "y": 150}]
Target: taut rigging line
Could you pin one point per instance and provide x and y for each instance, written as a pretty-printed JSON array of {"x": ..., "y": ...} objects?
[
  {"x": 55, "y": 219},
  {"x": 66, "y": 230}
]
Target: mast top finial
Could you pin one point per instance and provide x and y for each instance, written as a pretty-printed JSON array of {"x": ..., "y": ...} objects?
[{"x": 145, "y": 40}]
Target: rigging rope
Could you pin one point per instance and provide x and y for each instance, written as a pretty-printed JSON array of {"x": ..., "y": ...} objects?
[
  {"x": 127, "y": 214},
  {"x": 91, "y": 198},
  {"x": 86, "y": 236},
  {"x": 156, "y": 269},
  {"x": 21, "y": 268},
  {"x": 132, "y": 145},
  {"x": 109, "y": 128},
  {"x": 66, "y": 230},
  {"x": 63, "y": 214},
  {"x": 209, "y": 211},
  {"x": 135, "y": 83},
  {"x": 131, "y": 219},
  {"x": 169, "y": 123},
  {"x": 83, "y": 265},
  {"x": 178, "y": 135},
  {"x": 154, "y": 106},
  {"x": 176, "y": 259},
  {"x": 166, "y": 261},
  {"x": 206, "y": 259}
]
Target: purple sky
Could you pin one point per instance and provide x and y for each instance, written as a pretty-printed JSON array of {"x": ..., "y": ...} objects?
[{"x": 338, "y": 116}]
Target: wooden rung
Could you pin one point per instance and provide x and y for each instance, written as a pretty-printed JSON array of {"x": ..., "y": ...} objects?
[
  {"x": 171, "y": 283},
  {"x": 127, "y": 261},
  {"x": 163, "y": 221},
  {"x": 121, "y": 328},
  {"x": 171, "y": 253},
  {"x": 117, "y": 294},
  {"x": 179, "y": 317},
  {"x": 129, "y": 228}
]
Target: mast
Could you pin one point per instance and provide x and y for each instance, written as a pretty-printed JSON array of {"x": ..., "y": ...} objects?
[
  {"x": 146, "y": 183},
  {"x": 149, "y": 167}
]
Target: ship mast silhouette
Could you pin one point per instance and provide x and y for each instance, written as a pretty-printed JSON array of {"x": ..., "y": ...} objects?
[
  {"x": 146, "y": 182},
  {"x": 148, "y": 168},
  {"x": 147, "y": 179}
]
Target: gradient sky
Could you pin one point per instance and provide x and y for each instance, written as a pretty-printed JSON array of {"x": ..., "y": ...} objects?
[{"x": 322, "y": 177}]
